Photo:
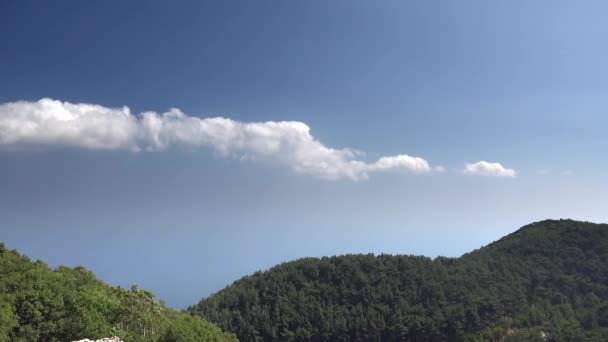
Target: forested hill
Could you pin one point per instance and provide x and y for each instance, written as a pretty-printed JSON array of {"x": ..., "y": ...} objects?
[
  {"x": 38, "y": 303},
  {"x": 547, "y": 281}
]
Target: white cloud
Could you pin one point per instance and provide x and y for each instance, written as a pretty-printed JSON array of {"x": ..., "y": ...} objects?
[
  {"x": 403, "y": 161},
  {"x": 483, "y": 168},
  {"x": 50, "y": 122},
  {"x": 47, "y": 123}
]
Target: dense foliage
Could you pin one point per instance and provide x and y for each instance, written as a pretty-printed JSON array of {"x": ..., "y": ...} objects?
[
  {"x": 41, "y": 304},
  {"x": 547, "y": 281}
]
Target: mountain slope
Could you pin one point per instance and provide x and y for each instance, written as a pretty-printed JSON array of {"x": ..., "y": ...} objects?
[
  {"x": 41, "y": 304},
  {"x": 547, "y": 281}
]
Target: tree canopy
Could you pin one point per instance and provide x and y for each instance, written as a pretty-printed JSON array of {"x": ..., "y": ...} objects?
[
  {"x": 38, "y": 303},
  {"x": 548, "y": 282}
]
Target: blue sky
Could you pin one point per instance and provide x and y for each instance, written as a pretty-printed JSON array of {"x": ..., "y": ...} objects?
[{"x": 184, "y": 211}]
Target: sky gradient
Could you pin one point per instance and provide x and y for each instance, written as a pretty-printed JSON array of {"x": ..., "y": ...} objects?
[{"x": 314, "y": 94}]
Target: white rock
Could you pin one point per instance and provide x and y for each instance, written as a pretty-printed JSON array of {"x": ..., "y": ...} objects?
[{"x": 107, "y": 339}]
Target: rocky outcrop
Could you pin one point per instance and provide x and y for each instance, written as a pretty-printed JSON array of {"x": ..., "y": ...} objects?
[{"x": 107, "y": 339}]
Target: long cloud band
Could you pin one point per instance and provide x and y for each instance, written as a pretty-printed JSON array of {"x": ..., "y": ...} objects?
[{"x": 49, "y": 122}]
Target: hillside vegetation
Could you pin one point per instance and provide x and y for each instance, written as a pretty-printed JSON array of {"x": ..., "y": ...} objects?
[
  {"x": 38, "y": 303},
  {"x": 548, "y": 282}
]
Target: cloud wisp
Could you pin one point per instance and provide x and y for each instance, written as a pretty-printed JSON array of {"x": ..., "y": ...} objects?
[
  {"x": 50, "y": 123},
  {"x": 483, "y": 168}
]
